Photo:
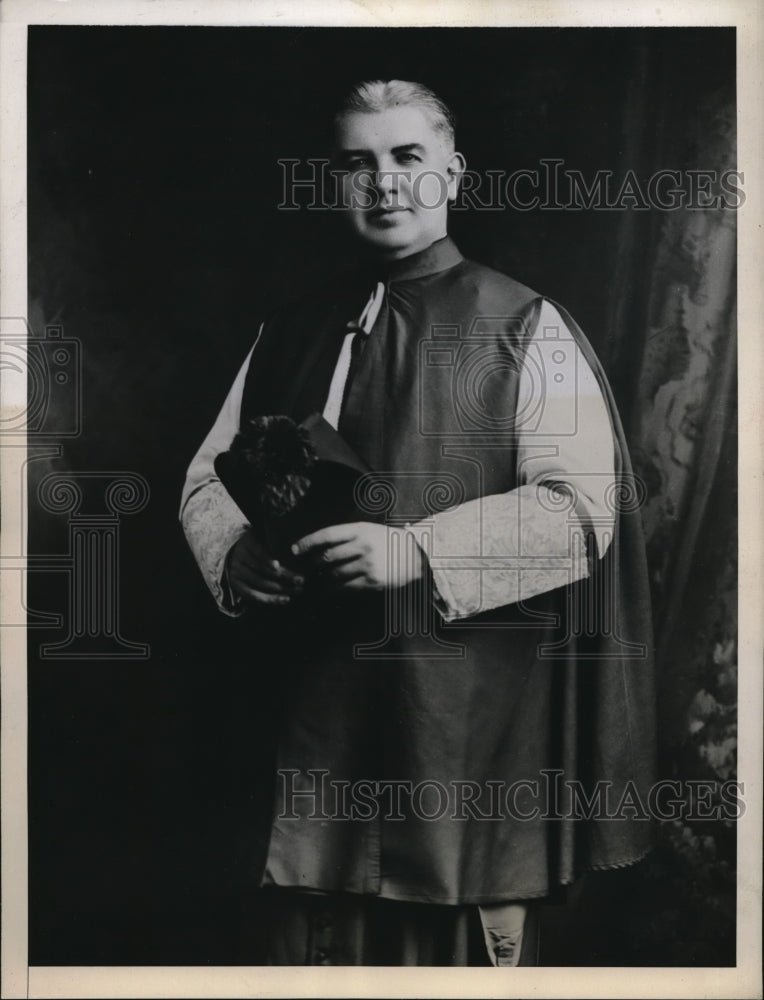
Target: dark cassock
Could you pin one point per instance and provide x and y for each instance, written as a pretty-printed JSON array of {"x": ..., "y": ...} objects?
[{"x": 448, "y": 752}]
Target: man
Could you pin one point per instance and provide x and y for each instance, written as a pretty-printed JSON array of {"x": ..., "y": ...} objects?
[{"x": 479, "y": 664}]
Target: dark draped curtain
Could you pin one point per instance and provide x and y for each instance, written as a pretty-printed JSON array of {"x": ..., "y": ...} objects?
[{"x": 672, "y": 362}]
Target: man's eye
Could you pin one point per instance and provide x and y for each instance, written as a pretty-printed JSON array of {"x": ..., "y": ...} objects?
[
  {"x": 408, "y": 158},
  {"x": 359, "y": 163}
]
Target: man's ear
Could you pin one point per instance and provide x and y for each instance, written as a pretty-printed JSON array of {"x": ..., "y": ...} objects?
[{"x": 455, "y": 168}]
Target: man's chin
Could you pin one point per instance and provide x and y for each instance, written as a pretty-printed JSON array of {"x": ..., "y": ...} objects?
[
  {"x": 385, "y": 238},
  {"x": 392, "y": 243}
]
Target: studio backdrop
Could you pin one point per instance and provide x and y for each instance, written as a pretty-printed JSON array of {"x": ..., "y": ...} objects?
[{"x": 159, "y": 236}]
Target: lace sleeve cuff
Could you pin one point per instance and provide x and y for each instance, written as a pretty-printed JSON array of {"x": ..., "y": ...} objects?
[
  {"x": 212, "y": 524},
  {"x": 501, "y": 549}
]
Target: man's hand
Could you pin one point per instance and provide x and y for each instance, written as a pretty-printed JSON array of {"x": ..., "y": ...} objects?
[
  {"x": 256, "y": 577},
  {"x": 362, "y": 556}
]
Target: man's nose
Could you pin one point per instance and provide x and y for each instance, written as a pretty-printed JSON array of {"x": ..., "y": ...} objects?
[{"x": 384, "y": 180}]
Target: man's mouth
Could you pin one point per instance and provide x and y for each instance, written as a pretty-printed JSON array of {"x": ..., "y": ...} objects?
[{"x": 385, "y": 212}]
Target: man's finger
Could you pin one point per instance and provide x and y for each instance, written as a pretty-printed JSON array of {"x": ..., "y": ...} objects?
[
  {"x": 333, "y": 555},
  {"x": 335, "y": 534},
  {"x": 250, "y": 578},
  {"x": 284, "y": 573},
  {"x": 256, "y": 561},
  {"x": 252, "y": 569},
  {"x": 357, "y": 581},
  {"x": 347, "y": 572},
  {"x": 259, "y": 597}
]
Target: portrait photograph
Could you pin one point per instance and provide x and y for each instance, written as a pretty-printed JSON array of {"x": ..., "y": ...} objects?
[{"x": 381, "y": 547}]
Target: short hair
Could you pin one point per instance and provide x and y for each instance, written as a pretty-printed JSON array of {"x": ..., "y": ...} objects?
[{"x": 378, "y": 95}]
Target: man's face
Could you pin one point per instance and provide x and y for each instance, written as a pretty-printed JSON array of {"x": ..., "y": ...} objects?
[{"x": 399, "y": 177}]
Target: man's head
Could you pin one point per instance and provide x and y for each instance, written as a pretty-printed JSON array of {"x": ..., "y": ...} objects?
[{"x": 394, "y": 144}]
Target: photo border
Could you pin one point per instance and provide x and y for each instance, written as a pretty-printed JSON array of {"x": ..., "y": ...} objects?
[{"x": 20, "y": 980}]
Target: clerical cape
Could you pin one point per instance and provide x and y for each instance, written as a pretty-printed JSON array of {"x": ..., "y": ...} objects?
[{"x": 488, "y": 759}]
